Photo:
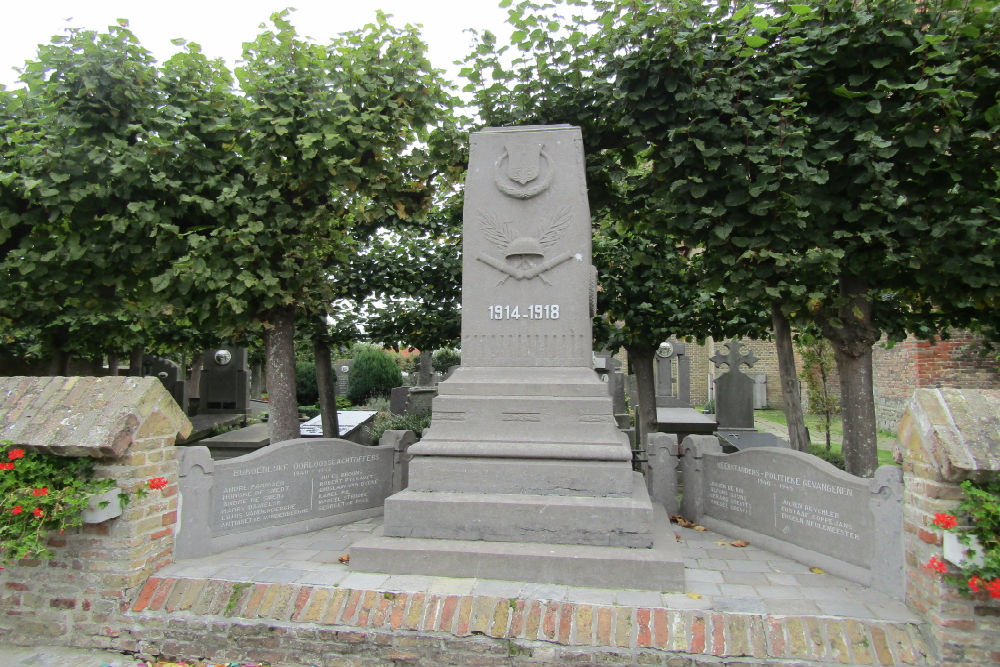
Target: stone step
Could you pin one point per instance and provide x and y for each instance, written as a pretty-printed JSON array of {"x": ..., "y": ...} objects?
[{"x": 520, "y": 517}]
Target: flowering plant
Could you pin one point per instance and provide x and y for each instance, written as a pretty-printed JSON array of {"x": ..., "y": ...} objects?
[
  {"x": 980, "y": 568},
  {"x": 41, "y": 493}
]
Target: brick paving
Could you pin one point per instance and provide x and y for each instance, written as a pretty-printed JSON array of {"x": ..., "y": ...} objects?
[{"x": 739, "y": 603}]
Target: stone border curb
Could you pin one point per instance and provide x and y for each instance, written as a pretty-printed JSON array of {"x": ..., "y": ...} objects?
[{"x": 638, "y": 635}]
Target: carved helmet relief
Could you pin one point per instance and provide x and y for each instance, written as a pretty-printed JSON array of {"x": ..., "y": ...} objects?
[{"x": 524, "y": 254}]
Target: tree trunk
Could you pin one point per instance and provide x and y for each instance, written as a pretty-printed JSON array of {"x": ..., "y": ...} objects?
[
  {"x": 194, "y": 380},
  {"x": 852, "y": 348},
  {"x": 325, "y": 382},
  {"x": 425, "y": 372},
  {"x": 641, "y": 358},
  {"x": 798, "y": 434},
  {"x": 113, "y": 364},
  {"x": 284, "y": 416},
  {"x": 857, "y": 405},
  {"x": 135, "y": 358},
  {"x": 59, "y": 363}
]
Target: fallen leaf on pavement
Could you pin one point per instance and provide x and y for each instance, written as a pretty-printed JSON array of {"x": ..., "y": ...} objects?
[
  {"x": 345, "y": 559},
  {"x": 700, "y": 528},
  {"x": 817, "y": 570},
  {"x": 740, "y": 543},
  {"x": 694, "y": 596},
  {"x": 722, "y": 543}
]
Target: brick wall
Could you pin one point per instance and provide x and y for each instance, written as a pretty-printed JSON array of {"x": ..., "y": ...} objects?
[
  {"x": 956, "y": 362},
  {"x": 947, "y": 436},
  {"x": 129, "y": 424}
]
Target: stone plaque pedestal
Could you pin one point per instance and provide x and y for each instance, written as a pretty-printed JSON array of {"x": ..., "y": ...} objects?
[{"x": 523, "y": 473}]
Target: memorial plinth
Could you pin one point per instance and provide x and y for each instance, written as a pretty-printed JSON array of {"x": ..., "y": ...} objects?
[{"x": 523, "y": 472}]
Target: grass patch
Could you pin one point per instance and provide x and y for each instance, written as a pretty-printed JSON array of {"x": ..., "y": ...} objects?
[{"x": 814, "y": 423}]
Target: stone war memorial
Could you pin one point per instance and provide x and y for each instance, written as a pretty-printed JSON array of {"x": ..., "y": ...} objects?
[{"x": 523, "y": 473}]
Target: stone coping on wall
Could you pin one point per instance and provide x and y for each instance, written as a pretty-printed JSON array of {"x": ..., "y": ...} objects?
[
  {"x": 426, "y": 628},
  {"x": 86, "y": 416},
  {"x": 955, "y": 432}
]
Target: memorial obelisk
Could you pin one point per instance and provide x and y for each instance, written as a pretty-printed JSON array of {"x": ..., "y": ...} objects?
[{"x": 523, "y": 473}]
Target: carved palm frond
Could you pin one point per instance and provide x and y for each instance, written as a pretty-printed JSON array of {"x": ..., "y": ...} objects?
[
  {"x": 499, "y": 235},
  {"x": 557, "y": 225}
]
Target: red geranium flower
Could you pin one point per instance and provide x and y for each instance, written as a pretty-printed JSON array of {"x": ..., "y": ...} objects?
[
  {"x": 16, "y": 509},
  {"x": 44, "y": 491},
  {"x": 5, "y": 465},
  {"x": 157, "y": 483},
  {"x": 38, "y": 512},
  {"x": 15, "y": 453},
  {"x": 975, "y": 584},
  {"x": 994, "y": 588},
  {"x": 936, "y": 565},
  {"x": 946, "y": 521}
]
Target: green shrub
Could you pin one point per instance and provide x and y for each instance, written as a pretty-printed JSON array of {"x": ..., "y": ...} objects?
[
  {"x": 836, "y": 458},
  {"x": 344, "y": 403},
  {"x": 306, "y": 390},
  {"x": 373, "y": 373},
  {"x": 385, "y": 421},
  {"x": 445, "y": 358},
  {"x": 309, "y": 410}
]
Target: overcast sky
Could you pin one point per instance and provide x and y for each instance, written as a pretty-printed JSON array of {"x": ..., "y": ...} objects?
[{"x": 221, "y": 26}]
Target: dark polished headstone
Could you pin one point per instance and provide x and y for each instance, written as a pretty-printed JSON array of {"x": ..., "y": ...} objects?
[{"x": 734, "y": 389}]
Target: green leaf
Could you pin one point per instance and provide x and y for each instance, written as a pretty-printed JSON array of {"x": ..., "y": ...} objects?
[
  {"x": 755, "y": 41},
  {"x": 874, "y": 106},
  {"x": 760, "y": 23},
  {"x": 800, "y": 9}
]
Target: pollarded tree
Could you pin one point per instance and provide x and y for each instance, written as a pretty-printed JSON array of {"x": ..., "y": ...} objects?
[
  {"x": 75, "y": 140},
  {"x": 415, "y": 299},
  {"x": 813, "y": 152},
  {"x": 331, "y": 148},
  {"x": 652, "y": 288}
]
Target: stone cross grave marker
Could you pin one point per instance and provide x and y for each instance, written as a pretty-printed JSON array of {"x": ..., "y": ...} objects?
[
  {"x": 734, "y": 389},
  {"x": 523, "y": 473}
]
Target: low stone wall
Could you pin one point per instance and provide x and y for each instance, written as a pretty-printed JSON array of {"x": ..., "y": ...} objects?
[
  {"x": 283, "y": 489},
  {"x": 799, "y": 506},
  {"x": 128, "y": 424}
]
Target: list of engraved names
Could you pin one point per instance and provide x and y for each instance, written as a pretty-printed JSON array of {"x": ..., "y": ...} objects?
[
  {"x": 255, "y": 495},
  {"x": 786, "y": 504}
]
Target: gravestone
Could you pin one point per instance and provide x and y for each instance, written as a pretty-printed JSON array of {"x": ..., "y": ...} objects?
[
  {"x": 759, "y": 390},
  {"x": 523, "y": 473},
  {"x": 225, "y": 381},
  {"x": 397, "y": 400},
  {"x": 734, "y": 389},
  {"x": 673, "y": 376},
  {"x": 283, "y": 489},
  {"x": 342, "y": 368},
  {"x": 170, "y": 374},
  {"x": 738, "y": 439},
  {"x": 800, "y": 506}
]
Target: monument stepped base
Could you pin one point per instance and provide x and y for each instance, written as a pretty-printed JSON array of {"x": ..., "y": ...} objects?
[
  {"x": 522, "y": 517},
  {"x": 660, "y": 568}
]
